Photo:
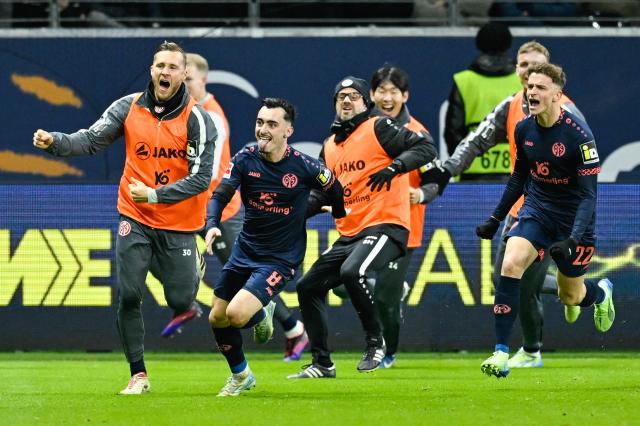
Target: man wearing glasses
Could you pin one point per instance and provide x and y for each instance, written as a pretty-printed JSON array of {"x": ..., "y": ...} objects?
[{"x": 367, "y": 154}]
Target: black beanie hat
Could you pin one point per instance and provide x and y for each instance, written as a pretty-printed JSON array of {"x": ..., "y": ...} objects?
[
  {"x": 357, "y": 83},
  {"x": 493, "y": 37}
]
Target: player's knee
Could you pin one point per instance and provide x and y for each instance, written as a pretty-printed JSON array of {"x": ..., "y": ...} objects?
[
  {"x": 129, "y": 299},
  {"x": 236, "y": 318},
  {"x": 304, "y": 288},
  {"x": 217, "y": 319},
  {"x": 179, "y": 302},
  {"x": 512, "y": 267},
  {"x": 350, "y": 276},
  {"x": 569, "y": 298}
]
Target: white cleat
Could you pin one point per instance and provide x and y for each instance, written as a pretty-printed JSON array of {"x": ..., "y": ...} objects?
[
  {"x": 237, "y": 383},
  {"x": 524, "y": 359},
  {"x": 138, "y": 384}
]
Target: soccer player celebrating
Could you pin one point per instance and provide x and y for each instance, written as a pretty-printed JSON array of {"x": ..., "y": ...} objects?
[
  {"x": 368, "y": 154},
  {"x": 275, "y": 181},
  {"x": 556, "y": 168},
  {"x": 161, "y": 200},
  {"x": 497, "y": 129}
]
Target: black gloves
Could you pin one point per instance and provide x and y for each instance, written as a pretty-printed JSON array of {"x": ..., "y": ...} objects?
[
  {"x": 338, "y": 212},
  {"x": 384, "y": 176},
  {"x": 435, "y": 173},
  {"x": 487, "y": 230},
  {"x": 563, "y": 250}
]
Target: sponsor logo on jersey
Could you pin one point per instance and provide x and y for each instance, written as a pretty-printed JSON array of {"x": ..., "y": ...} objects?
[
  {"x": 528, "y": 143},
  {"x": 162, "y": 152},
  {"x": 142, "y": 150},
  {"x": 289, "y": 180},
  {"x": 162, "y": 178},
  {"x": 542, "y": 168},
  {"x": 349, "y": 166},
  {"x": 558, "y": 149},
  {"x": 324, "y": 177},
  {"x": 227, "y": 173},
  {"x": 589, "y": 152},
  {"x": 254, "y": 174}
]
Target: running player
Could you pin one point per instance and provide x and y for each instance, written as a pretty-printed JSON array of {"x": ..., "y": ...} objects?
[
  {"x": 275, "y": 181},
  {"x": 368, "y": 154},
  {"x": 556, "y": 168}
]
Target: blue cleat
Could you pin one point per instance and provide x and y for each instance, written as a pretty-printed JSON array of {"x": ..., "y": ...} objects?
[
  {"x": 388, "y": 361},
  {"x": 175, "y": 325}
]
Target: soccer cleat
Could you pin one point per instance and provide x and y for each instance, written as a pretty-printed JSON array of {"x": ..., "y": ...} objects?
[
  {"x": 263, "y": 331},
  {"x": 605, "y": 313},
  {"x": 571, "y": 313},
  {"x": 496, "y": 365},
  {"x": 373, "y": 355},
  {"x": 295, "y": 347},
  {"x": 388, "y": 361},
  {"x": 238, "y": 383},
  {"x": 315, "y": 371},
  {"x": 175, "y": 325},
  {"x": 138, "y": 384},
  {"x": 524, "y": 359}
]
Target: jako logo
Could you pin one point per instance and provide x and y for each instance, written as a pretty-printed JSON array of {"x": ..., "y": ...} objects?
[
  {"x": 254, "y": 174},
  {"x": 162, "y": 178},
  {"x": 350, "y": 166},
  {"x": 142, "y": 150},
  {"x": 169, "y": 153}
]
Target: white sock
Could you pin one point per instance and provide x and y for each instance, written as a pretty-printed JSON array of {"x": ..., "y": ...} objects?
[{"x": 296, "y": 331}]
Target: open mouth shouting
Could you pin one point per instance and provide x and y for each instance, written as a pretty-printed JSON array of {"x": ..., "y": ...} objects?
[
  {"x": 163, "y": 88},
  {"x": 534, "y": 105}
]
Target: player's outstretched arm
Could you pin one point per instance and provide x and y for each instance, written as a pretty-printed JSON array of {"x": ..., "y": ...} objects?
[
  {"x": 42, "y": 139},
  {"x": 106, "y": 130}
]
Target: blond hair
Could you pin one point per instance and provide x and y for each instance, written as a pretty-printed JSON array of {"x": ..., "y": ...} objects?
[
  {"x": 198, "y": 61},
  {"x": 534, "y": 46}
]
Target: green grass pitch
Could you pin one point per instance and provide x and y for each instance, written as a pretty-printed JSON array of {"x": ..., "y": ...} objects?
[{"x": 423, "y": 389}]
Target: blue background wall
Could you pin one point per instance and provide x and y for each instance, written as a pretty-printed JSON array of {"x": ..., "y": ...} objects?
[
  {"x": 602, "y": 79},
  {"x": 58, "y": 288}
]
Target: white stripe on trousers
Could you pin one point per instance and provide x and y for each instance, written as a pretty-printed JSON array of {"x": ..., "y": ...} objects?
[{"x": 372, "y": 255}]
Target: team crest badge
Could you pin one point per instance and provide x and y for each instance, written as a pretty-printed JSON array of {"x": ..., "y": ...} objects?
[
  {"x": 227, "y": 173},
  {"x": 289, "y": 180},
  {"x": 558, "y": 149},
  {"x": 124, "y": 229}
]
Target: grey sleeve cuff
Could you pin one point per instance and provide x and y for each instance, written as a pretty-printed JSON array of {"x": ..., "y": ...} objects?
[{"x": 152, "y": 196}]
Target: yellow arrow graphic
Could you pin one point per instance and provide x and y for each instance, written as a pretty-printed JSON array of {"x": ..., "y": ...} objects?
[
  {"x": 69, "y": 267},
  {"x": 31, "y": 265}
]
